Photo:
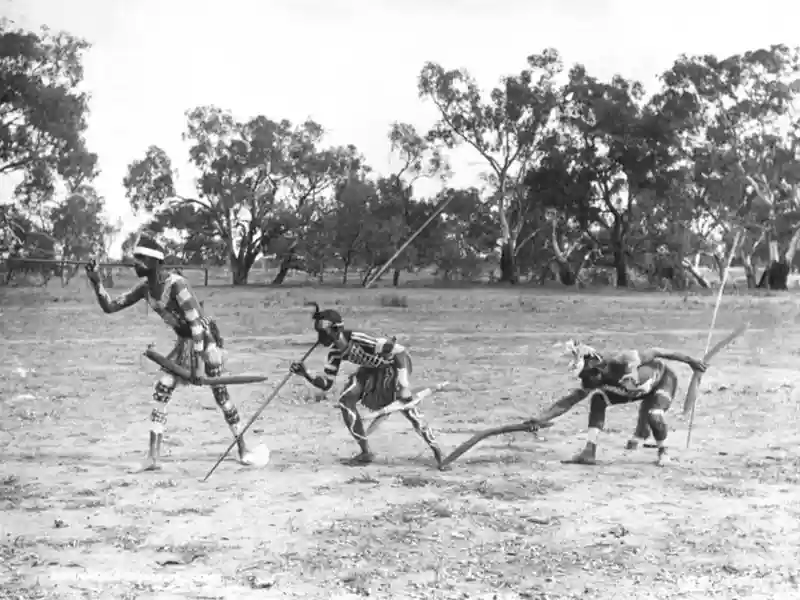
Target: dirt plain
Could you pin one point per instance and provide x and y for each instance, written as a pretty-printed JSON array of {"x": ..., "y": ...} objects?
[{"x": 508, "y": 521}]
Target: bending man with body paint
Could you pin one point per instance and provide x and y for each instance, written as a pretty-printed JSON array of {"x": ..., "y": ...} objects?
[
  {"x": 631, "y": 376},
  {"x": 199, "y": 343},
  {"x": 380, "y": 381}
]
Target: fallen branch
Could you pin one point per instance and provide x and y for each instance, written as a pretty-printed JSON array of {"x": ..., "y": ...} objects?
[
  {"x": 479, "y": 437},
  {"x": 182, "y": 372}
]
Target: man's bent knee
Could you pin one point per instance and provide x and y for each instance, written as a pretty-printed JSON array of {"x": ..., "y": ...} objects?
[{"x": 658, "y": 424}]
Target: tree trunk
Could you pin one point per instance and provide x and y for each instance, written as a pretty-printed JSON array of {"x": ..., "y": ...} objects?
[
  {"x": 241, "y": 265},
  {"x": 620, "y": 257},
  {"x": 345, "y": 272},
  {"x": 396, "y": 278},
  {"x": 239, "y": 271},
  {"x": 749, "y": 271},
  {"x": 776, "y": 275},
  {"x": 621, "y": 267},
  {"x": 508, "y": 263},
  {"x": 282, "y": 273},
  {"x": 565, "y": 273},
  {"x": 64, "y": 273}
]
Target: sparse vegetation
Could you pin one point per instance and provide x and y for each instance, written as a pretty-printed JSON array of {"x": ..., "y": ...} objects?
[{"x": 509, "y": 519}]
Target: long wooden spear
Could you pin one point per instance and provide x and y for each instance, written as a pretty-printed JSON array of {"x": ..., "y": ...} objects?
[
  {"x": 257, "y": 413},
  {"x": 436, "y": 212}
]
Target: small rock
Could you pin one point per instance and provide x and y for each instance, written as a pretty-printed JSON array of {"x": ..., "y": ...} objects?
[{"x": 259, "y": 583}]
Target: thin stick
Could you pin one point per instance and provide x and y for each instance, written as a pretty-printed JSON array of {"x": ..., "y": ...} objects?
[
  {"x": 257, "y": 413},
  {"x": 713, "y": 322},
  {"x": 437, "y": 211}
]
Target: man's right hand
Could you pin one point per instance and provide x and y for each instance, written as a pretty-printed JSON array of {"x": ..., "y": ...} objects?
[
  {"x": 533, "y": 425},
  {"x": 298, "y": 368},
  {"x": 92, "y": 273}
]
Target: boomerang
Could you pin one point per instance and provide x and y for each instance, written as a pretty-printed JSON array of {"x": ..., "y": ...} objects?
[
  {"x": 382, "y": 414},
  {"x": 184, "y": 373}
]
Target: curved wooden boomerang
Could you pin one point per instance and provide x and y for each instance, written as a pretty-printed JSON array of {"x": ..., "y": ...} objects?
[
  {"x": 697, "y": 376},
  {"x": 179, "y": 371},
  {"x": 382, "y": 414},
  {"x": 487, "y": 433}
]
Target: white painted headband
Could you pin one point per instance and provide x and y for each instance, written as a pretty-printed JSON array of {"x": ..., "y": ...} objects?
[{"x": 142, "y": 251}]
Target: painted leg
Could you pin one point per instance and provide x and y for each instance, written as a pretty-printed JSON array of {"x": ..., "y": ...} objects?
[
  {"x": 642, "y": 431},
  {"x": 158, "y": 419},
  {"x": 354, "y": 424},
  {"x": 223, "y": 399},
  {"x": 658, "y": 424},
  {"x": 597, "y": 420},
  {"x": 663, "y": 396},
  {"x": 415, "y": 418}
]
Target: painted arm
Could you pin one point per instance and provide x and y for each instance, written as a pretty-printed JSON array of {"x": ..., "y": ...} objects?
[
  {"x": 190, "y": 308},
  {"x": 655, "y": 353},
  {"x": 325, "y": 381},
  {"x": 563, "y": 405},
  {"x": 125, "y": 300}
]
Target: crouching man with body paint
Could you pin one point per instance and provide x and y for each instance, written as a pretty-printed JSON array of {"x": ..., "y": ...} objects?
[
  {"x": 629, "y": 377},
  {"x": 381, "y": 381},
  {"x": 198, "y": 346}
]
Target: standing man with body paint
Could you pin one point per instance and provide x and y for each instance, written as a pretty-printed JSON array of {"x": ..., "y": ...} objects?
[
  {"x": 631, "y": 376},
  {"x": 199, "y": 343}
]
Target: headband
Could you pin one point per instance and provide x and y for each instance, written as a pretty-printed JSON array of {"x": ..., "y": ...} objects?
[{"x": 151, "y": 252}]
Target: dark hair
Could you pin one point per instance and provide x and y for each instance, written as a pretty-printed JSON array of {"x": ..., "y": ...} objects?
[
  {"x": 316, "y": 314},
  {"x": 325, "y": 315}
]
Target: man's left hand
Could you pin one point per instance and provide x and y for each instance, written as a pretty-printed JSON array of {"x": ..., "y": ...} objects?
[{"x": 700, "y": 366}]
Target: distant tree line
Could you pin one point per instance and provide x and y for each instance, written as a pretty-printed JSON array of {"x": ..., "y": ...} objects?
[{"x": 585, "y": 179}]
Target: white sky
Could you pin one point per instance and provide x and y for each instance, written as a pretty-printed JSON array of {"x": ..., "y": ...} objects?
[{"x": 352, "y": 65}]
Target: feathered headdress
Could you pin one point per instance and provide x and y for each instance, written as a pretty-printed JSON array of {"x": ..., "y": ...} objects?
[{"x": 579, "y": 353}]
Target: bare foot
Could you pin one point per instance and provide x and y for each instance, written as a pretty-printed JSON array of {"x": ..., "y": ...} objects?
[
  {"x": 359, "y": 460},
  {"x": 663, "y": 458},
  {"x": 150, "y": 464},
  {"x": 585, "y": 457},
  {"x": 437, "y": 454}
]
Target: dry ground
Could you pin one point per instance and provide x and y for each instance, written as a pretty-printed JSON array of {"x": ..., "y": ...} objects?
[{"x": 509, "y": 521}]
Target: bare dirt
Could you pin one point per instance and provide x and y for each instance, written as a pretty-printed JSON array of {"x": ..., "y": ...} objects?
[{"x": 509, "y": 521}]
